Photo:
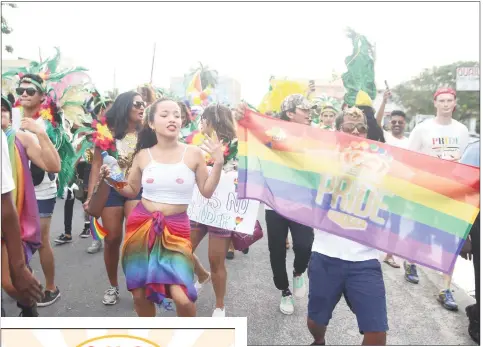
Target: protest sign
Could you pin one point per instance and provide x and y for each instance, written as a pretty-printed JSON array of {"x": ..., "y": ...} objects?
[{"x": 224, "y": 210}]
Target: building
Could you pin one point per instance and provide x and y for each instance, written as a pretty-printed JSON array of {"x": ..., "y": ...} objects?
[
  {"x": 228, "y": 90},
  {"x": 10, "y": 64}
]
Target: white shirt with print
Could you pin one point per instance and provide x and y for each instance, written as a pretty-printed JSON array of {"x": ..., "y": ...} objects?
[
  {"x": 394, "y": 141},
  {"x": 441, "y": 141}
]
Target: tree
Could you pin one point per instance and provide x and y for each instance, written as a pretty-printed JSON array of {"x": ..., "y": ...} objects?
[
  {"x": 416, "y": 95},
  {"x": 5, "y": 28},
  {"x": 208, "y": 76}
]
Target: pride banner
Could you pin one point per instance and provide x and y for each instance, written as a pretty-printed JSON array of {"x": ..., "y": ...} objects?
[{"x": 414, "y": 206}]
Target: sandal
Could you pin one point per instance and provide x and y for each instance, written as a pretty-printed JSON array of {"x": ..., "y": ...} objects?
[{"x": 392, "y": 263}]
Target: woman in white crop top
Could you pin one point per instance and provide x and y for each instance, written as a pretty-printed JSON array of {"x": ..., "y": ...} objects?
[{"x": 157, "y": 255}]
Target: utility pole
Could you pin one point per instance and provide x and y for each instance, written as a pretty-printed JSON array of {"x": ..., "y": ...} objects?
[{"x": 152, "y": 65}]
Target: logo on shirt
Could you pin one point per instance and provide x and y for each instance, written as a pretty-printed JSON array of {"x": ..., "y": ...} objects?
[
  {"x": 447, "y": 148},
  {"x": 150, "y": 180},
  {"x": 354, "y": 195},
  {"x": 180, "y": 181}
]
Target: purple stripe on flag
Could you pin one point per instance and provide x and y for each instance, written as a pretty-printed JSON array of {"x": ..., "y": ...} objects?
[
  {"x": 430, "y": 255},
  {"x": 295, "y": 195}
]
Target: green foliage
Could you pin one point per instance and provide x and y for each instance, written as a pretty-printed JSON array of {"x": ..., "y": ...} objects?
[
  {"x": 208, "y": 76},
  {"x": 6, "y": 29},
  {"x": 416, "y": 95}
]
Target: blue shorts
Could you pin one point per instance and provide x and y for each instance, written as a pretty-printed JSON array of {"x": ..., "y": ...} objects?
[
  {"x": 362, "y": 284},
  {"x": 46, "y": 207},
  {"x": 117, "y": 200}
]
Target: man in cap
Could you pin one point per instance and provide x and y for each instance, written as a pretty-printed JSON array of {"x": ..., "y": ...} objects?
[{"x": 445, "y": 138}]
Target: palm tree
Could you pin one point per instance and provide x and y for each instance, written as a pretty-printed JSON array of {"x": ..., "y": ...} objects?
[
  {"x": 5, "y": 28},
  {"x": 208, "y": 76}
]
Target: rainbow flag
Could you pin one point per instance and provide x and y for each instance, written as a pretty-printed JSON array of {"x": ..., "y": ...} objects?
[
  {"x": 98, "y": 232},
  {"x": 412, "y": 205},
  {"x": 195, "y": 84}
]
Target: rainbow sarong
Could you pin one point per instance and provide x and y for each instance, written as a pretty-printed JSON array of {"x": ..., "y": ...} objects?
[
  {"x": 157, "y": 252},
  {"x": 24, "y": 196}
]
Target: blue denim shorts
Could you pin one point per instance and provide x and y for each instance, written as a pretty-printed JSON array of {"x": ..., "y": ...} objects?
[
  {"x": 117, "y": 200},
  {"x": 361, "y": 283},
  {"x": 46, "y": 207}
]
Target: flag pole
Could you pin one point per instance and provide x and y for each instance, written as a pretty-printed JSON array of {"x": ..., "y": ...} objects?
[{"x": 152, "y": 64}]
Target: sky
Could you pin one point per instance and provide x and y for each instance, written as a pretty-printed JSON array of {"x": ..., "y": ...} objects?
[{"x": 247, "y": 41}]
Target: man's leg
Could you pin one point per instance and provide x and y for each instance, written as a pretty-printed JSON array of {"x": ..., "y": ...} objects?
[
  {"x": 364, "y": 288},
  {"x": 473, "y": 311},
  {"x": 68, "y": 216},
  {"x": 326, "y": 284},
  {"x": 303, "y": 238},
  {"x": 277, "y": 231},
  {"x": 52, "y": 293}
]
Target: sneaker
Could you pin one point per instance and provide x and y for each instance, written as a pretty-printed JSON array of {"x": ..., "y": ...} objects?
[
  {"x": 299, "y": 288},
  {"x": 287, "y": 305},
  {"x": 230, "y": 255},
  {"x": 411, "y": 273},
  {"x": 49, "y": 297},
  {"x": 219, "y": 313},
  {"x": 245, "y": 251},
  {"x": 111, "y": 296},
  {"x": 63, "y": 238},
  {"x": 199, "y": 285},
  {"x": 86, "y": 233},
  {"x": 474, "y": 326},
  {"x": 446, "y": 299},
  {"x": 28, "y": 311},
  {"x": 94, "y": 247}
]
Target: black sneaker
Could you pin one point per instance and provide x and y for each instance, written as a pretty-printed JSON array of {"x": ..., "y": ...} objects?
[
  {"x": 86, "y": 233},
  {"x": 245, "y": 251},
  {"x": 28, "y": 311},
  {"x": 230, "y": 255},
  {"x": 49, "y": 298},
  {"x": 63, "y": 238}
]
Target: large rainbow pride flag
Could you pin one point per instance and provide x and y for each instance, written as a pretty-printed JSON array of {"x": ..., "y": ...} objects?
[{"x": 404, "y": 203}]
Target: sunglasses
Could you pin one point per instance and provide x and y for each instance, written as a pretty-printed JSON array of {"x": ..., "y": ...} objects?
[
  {"x": 349, "y": 128},
  {"x": 30, "y": 91},
  {"x": 139, "y": 104},
  {"x": 398, "y": 122}
]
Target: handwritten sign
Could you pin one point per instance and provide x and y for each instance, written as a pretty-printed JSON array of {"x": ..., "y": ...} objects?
[{"x": 224, "y": 210}]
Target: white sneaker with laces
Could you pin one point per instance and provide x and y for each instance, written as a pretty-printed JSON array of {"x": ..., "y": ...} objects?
[
  {"x": 111, "y": 296},
  {"x": 287, "y": 305},
  {"x": 219, "y": 312},
  {"x": 299, "y": 288}
]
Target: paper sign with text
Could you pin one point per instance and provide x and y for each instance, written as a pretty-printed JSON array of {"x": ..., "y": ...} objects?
[{"x": 224, "y": 210}]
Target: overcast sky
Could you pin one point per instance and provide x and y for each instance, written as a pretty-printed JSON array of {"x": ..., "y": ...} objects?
[{"x": 248, "y": 41}]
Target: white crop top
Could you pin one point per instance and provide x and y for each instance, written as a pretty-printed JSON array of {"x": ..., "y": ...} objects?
[{"x": 168, "y": 183}]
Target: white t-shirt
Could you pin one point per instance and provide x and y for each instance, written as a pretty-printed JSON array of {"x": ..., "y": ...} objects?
[
  {"x": 47, "y": 189},
  {"x": 7, "y": 180},
  {"x": 441, "y": 141},
  {"x": 394, "y": 141},
  {"x": 337, "y": 247}
]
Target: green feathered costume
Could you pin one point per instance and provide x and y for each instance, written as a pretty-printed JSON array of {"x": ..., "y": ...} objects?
[
  {"x": 62, "y": 109},
  {"x": 359, "y": 80}
]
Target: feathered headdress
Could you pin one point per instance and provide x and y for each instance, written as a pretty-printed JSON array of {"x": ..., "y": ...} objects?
[
  {"x": 359, "y": 78},
  {"x": 66, "y": 88}
]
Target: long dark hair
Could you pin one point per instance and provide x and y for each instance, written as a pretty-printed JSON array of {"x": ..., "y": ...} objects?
[
  {"x": 147, "y": 136},
  {"x": 220, "y": 118},
  {"x": 185, "y": 110},
  {"x": 117, "y": 117},
  {"x": 374, "y": 131}
]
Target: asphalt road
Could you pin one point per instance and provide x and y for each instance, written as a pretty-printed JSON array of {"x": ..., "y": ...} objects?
[{"x": 415, "y": 317}]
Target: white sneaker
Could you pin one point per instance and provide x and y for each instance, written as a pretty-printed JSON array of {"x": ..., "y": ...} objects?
[
  {"x": 299, "y": 288},
  {"x": 199, "y": 285},
  {"x": 219, "y": 313},
  {"x": 111, "y": 296},
  {"x": 287, "y": 305}
]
